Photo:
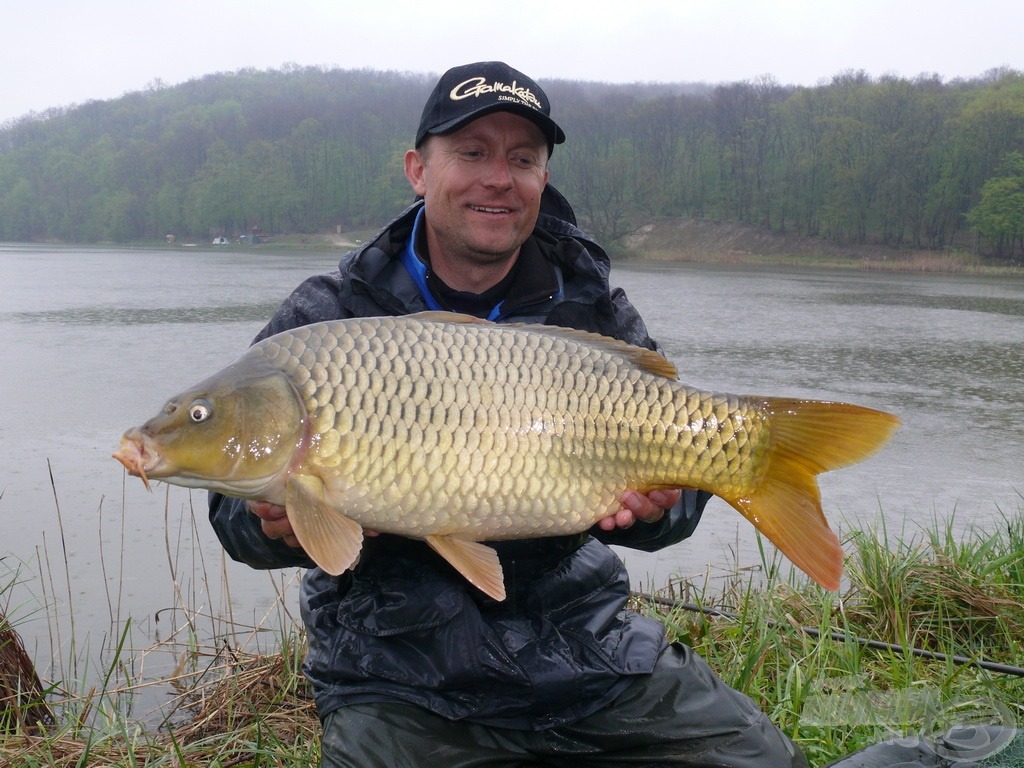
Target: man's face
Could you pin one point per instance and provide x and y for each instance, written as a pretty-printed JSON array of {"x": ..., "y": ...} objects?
[{"x": 481, "y": 186}]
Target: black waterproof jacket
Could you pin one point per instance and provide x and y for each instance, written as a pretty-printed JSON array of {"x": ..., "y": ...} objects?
[{"x": 403, "y": 625}]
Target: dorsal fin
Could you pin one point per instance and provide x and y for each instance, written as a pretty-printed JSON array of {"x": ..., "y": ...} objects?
[
  {"x": 443, "y": 316},
  {"x": 646, "y": 359}
]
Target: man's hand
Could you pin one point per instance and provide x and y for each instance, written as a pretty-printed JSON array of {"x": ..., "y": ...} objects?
[
  {"x": 276, "y": 524},
  {"x": 637, "y": 506}
]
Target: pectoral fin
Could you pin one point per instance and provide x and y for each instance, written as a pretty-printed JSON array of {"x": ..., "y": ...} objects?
[
  {"x": 477, "y": 562},
  {"x": 330, "y": 538}
]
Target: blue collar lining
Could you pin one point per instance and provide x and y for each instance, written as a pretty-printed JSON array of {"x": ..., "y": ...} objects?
[{"x": 418, "y": 271}]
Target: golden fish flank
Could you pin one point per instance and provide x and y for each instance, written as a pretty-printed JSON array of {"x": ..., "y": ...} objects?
[{"x": 455, "y": 430}]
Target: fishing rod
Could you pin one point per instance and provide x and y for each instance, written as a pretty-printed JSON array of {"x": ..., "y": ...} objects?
[{"x": 844, "y": 637}]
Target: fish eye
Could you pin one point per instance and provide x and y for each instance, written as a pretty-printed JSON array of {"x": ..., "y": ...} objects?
[{"x": 199, "y": 411}]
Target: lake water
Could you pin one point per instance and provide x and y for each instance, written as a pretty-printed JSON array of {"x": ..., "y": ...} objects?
[{"x": 94, "y": 339}]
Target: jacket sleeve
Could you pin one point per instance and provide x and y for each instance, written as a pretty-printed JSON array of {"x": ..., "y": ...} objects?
[
  {"x": 631, "y": 326},
  {"x": 237, "y": 528},
  {"x": 242, "y": 538}
]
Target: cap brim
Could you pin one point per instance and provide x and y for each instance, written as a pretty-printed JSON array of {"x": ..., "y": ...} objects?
[{"x": 548, "y": 127}]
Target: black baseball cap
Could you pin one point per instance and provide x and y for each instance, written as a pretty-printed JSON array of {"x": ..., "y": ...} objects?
[{"x": 470, "y": 91}]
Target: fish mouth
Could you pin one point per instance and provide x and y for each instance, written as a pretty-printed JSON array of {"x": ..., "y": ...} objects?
[{"x": 137, "y": 457}]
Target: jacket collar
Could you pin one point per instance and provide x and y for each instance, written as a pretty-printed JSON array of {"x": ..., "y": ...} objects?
[
  {"x": 554, "y": 252},
  {"x": 534, "y": 279}
]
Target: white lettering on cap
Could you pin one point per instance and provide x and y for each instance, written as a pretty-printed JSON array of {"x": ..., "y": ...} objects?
[{"x": 478, "y": 86}]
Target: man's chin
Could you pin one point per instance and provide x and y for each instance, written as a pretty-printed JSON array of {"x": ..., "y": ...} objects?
[{"x": 499, "y": 242}]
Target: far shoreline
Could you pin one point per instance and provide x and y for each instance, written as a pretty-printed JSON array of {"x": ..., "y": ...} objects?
[
  {"x": 702, "y": 241},
  {"x": 692, "y": 241},
  {"x": 915, "y": 262}
]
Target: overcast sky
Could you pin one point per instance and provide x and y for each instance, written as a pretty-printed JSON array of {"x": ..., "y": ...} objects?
[{"x": 63, "y": 52}]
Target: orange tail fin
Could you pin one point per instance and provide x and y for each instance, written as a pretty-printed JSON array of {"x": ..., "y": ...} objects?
[{"x": 810, "y": 437}]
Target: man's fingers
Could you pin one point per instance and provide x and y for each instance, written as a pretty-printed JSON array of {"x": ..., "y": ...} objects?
[
  {"x": 265, "y": 510},
  {"x": 665, "y": 498},
  {"x": 274, "y": 521},
  {"x": 621, "y": 519},
  {"x": 642, "y": 507}
]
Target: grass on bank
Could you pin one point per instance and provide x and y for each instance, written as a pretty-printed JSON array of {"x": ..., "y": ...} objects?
[
  {"x": 940, "y": 593},
  {"x": 957, "y": 595}
]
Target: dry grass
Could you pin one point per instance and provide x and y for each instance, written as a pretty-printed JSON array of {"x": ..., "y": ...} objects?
[
  {"x": 220, "y": 704},
  {"x": 250, "y": 690},
  {"x": 22, "y": 696},
  {"x": 231, "y": 708}
]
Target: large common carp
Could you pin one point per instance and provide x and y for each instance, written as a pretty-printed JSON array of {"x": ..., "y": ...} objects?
[{"x": 458, "y": 431}]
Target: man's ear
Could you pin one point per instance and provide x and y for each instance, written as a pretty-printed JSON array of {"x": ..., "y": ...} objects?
[{"x": 414, "y": 170}]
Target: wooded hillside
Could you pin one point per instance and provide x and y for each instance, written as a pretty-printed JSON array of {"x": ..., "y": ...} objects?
[{"x": 916, "y": 163}]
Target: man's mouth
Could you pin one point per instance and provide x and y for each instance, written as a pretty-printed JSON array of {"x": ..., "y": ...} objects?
[{"x": 488, "y": 209}]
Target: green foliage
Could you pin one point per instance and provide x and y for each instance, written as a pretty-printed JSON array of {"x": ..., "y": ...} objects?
[
  {"x": 999, "y": 215},
  {"x": 903, "y": 163},
  {"x": 298, "y": 150}
]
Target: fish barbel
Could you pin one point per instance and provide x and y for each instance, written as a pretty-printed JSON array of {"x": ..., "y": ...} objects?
[{"x": 458, "y": 431}]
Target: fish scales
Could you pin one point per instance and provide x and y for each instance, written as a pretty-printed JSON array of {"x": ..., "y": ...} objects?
[
  {"x": 457, "y": 431},
  {"x": 574, "y": 439}
]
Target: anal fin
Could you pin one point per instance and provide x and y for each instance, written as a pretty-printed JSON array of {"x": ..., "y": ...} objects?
[
  {"x": 330, "y": 538},
  {"x": 477, "y": 562}
]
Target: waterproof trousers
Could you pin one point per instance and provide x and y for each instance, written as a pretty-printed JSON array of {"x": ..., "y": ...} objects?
[{"x": 681, "y": 715}]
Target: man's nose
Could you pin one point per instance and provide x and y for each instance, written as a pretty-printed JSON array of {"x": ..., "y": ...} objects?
[{"x": 498, "y": 172}]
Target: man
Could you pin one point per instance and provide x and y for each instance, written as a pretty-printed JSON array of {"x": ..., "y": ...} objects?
[{"x": 410, "y": 665}]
